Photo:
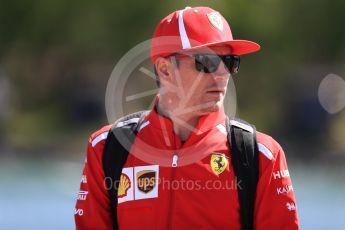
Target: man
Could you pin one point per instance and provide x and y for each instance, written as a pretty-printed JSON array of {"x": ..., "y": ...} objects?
[{"x": 178, "y": 173}]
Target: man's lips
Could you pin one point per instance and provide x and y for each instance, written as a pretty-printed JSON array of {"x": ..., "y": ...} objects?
[{"x": 215, "y": 91}]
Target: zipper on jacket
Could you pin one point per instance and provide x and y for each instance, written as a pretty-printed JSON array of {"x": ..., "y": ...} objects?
[
  {"x": 174, "y": 161},
  {"x": 172, "y": 178},
  {"x": 172, "y": 198}
]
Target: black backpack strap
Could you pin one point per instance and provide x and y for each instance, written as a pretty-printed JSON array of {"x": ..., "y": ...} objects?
[
  {"x": 119, "y": 141},
  {"x": 244, "y": 151}
]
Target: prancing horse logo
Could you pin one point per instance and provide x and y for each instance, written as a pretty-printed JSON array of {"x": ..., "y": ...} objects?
[
  {"x": 216, "y": 20},
  {"x": 218, "y": 163}
]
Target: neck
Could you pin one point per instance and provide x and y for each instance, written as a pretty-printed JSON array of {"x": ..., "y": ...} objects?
[{"x": 183, "y": 124}]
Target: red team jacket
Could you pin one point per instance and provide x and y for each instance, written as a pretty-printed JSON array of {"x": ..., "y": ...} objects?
[{"x": 200, "y": 193}]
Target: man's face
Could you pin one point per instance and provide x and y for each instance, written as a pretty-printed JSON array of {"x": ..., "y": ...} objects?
[{"x": 197, "y": 93}]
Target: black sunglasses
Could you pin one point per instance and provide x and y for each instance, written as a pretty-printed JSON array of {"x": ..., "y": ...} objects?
[{"x": 209, "y": 63}]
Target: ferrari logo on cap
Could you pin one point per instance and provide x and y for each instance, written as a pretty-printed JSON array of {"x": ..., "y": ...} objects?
[
  {"x": 218, "y": 163},
  {"x": 216, "y": 20}
]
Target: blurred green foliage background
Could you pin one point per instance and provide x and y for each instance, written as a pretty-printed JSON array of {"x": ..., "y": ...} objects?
[{"x": 56, "y": 58}]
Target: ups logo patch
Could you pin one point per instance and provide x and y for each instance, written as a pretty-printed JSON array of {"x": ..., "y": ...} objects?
[{"x": 146, "y": 180}]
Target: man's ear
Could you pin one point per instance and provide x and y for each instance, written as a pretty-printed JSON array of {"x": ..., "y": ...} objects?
[{"x": 163, "y": 68}]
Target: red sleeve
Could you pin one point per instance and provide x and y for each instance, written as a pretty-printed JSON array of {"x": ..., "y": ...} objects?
[
  {"x": 275, "y": 206},
  {"x": 92, "y": 209}
]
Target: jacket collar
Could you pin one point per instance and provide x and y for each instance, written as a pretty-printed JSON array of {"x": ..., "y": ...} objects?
[{"x": 205, "y": 122}]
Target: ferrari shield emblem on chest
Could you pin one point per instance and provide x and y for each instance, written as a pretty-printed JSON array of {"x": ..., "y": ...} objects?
[
  {"x": 218, "y": 163},
  {"x": 216, "y": 20}
]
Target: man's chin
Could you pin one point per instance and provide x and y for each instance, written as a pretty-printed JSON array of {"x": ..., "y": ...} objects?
[
  {"x": 214, "y": 107},
  {"x": 202, "y": 109}
]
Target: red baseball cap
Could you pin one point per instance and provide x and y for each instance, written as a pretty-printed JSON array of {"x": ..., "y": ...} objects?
[{"x": 193, "y": 28}]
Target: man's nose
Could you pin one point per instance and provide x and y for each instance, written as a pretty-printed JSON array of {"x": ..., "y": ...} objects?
[{"x": 222, "y": 71}]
